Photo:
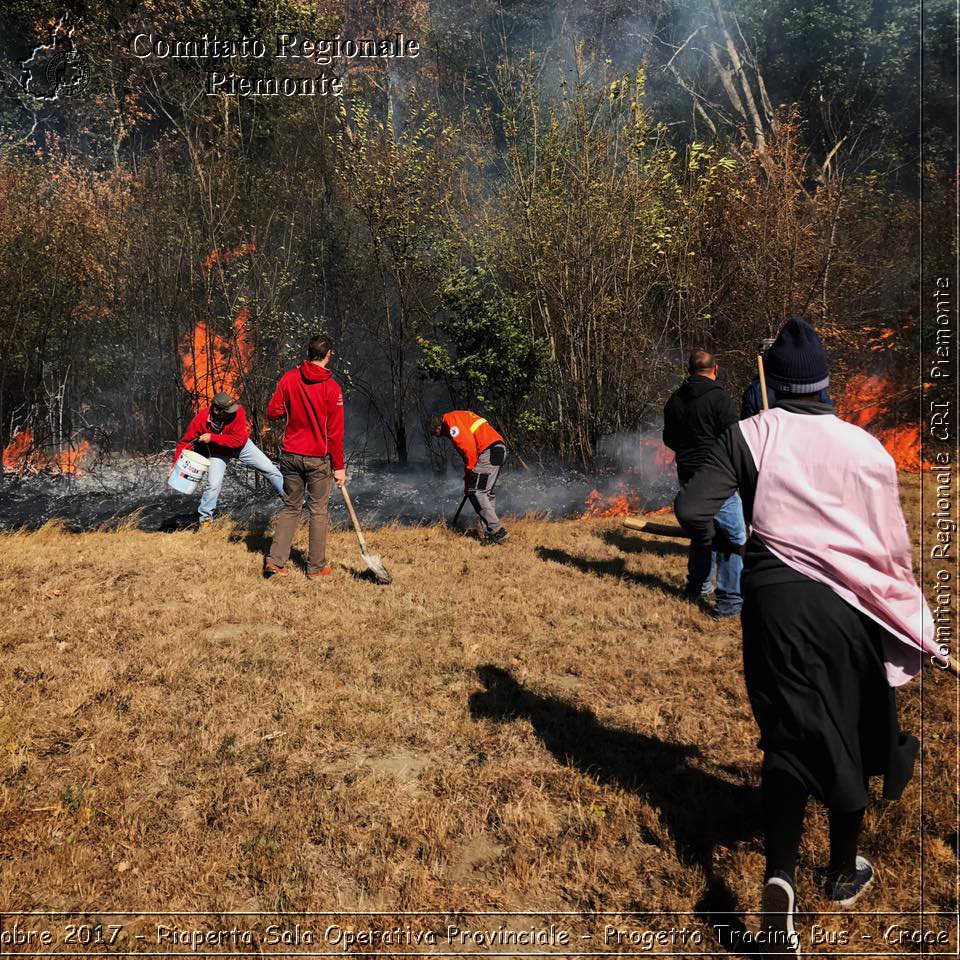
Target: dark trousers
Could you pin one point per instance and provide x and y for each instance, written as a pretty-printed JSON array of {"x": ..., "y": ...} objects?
[
  {"x": 784, "y": 803},
  {"x": 313, "y": 476}
]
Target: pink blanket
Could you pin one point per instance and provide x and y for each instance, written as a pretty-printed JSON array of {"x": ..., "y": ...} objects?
[{"x": 827, "y": 505}]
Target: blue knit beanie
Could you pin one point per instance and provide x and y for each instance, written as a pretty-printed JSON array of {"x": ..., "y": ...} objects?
[{"x": 797, "y": 362}]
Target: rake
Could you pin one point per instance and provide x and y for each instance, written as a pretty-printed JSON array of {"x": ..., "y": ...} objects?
[{"x": 372, "y": 560}]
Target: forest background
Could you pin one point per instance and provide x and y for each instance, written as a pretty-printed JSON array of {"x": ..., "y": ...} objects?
[{"x": 537, "y": 218}]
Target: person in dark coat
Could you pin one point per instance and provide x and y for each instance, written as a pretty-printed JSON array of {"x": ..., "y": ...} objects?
[
  {"x": 752, "y": 402},
  {"x": 832, "y": 616},
  {"x": 693, "y": 418}
]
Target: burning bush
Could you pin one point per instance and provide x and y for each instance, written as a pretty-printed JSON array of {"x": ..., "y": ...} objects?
[
  {"x": 21, "y": 457},
  {"x": 867, "y": 402}
]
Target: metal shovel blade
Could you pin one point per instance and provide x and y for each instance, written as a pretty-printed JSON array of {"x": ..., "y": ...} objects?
[{"x": 375, "y": 566}]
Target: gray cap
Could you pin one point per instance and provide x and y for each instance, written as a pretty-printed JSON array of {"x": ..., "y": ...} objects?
[{"x": 226, "y": 403}]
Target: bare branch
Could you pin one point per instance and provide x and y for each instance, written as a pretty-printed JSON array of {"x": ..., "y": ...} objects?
[{"x": 681, "y": 48}]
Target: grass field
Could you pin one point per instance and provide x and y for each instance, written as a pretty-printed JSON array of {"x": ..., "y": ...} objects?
[{"x": 543, "y": 726}]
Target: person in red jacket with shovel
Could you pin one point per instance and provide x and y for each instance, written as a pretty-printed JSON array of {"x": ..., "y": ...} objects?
[
  {"x": 220, "y": 433},
  {"x": 484, "y": 453},
  {"x": 312, "y": 455}
]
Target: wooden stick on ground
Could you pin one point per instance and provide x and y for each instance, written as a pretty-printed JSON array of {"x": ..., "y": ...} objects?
[{"x": 657, "y": 529}]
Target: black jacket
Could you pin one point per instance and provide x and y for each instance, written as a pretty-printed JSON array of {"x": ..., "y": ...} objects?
[{"x": 693, "y": 419}]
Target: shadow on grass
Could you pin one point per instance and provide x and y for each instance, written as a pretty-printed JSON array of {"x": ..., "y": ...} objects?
[
  {"x": 700, "y": 809},
  {"x": 365, "y": 575},
  {"x": 637, "y": 543},
  {"x": 174, "y": 524},
  {"x": 257, "y": 540},
  {"x": 612, "y": 567}
]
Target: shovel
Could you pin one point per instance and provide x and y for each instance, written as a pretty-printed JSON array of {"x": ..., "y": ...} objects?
[
  {"x": 456, "y": 516},
  {"x": 373, "y": 562}
]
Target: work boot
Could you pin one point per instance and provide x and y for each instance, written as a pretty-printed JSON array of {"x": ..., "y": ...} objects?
[
  {"x": 777, "y": 904},
  {"x": 845, "y": 891},
  {"x": 204, "y": 525},
  {"x": 319, "y": 574},
  {"x": 501, "y": 536},
  {"x": 272, "y": 570}
]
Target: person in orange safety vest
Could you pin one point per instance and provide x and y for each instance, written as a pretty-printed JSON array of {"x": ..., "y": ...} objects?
[{"x": 484, "y": 453}]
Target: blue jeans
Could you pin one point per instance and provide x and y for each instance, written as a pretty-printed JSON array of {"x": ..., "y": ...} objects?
[
  {"x": 702, "y": 562},
  {"x": 250, "y": 455}
]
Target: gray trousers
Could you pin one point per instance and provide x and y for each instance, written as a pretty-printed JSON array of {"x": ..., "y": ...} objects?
[{"x": 481, "y": 481}]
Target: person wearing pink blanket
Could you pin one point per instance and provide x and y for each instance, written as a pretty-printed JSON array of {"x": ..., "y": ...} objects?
[{"x": 832, "y": 616}]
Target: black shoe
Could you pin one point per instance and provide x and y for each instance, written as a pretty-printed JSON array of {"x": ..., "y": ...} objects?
[
  {"x": 501, "y": 536},
  {"x": 777, "y": 904},
  {"x": 845, "y": 892}
]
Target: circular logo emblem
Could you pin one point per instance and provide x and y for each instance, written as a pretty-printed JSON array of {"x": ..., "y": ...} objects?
[
  {"x": 454, "y": 431},
  {"x": 66, "y": 73}
]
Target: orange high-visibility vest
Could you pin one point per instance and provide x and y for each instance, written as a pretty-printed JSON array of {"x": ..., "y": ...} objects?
[{"x": 470, "y": 433}]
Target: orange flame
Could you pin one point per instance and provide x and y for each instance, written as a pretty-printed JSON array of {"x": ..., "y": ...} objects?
[
  {"x": 626, "y": 501},
  {"x": 903, "y": 444},
  {"x": 621, "y": 504},
  {"x": 213, "y": 364},
  {"x": 600, "y": 506},
  {"x": 16, "y": 453},
  {"x": 625, "y": 504},
  {"x": 228, "y": 256},
  {"x": 883, "y": 339},
  {"x": 20, "y": 457},
  {"x": 863, "y": 399},
  {"x": 864, "y": 402}
]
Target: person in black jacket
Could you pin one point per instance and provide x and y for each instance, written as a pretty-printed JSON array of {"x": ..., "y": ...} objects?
[
  {"x": 693, "y": 418},
  {"x": 818, "y": 660}
]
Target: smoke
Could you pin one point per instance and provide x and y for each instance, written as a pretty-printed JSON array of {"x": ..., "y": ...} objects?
[{"x": 133, "y": 490}]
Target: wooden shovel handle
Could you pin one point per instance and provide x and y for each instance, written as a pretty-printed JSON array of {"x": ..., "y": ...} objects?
[
  {"x": 954, "y": 666},
  {"x": 763, "y": 382},
  {"x": 658, "y": 529},
  {"x": 353, "y": 517}
]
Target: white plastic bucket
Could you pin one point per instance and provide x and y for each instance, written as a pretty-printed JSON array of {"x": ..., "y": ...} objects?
[{"x": 189, "y": 471}]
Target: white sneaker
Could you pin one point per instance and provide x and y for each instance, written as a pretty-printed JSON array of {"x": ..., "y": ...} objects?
[{"x": 777, "y": 904}]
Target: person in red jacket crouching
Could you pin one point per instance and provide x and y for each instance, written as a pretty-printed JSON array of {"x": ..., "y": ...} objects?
[
  {"x": 312, "y": 455},
  {"x": 484, "y": 453},
  {"x": 219, "y": 432}
]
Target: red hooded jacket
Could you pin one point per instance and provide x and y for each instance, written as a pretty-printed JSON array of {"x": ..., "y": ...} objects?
[
  {"x": 227, "y": 436},
  {"x": 312, "y": 402}
]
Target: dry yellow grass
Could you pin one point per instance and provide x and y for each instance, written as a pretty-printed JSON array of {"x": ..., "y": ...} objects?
[{"x": 543, "y": 726}]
